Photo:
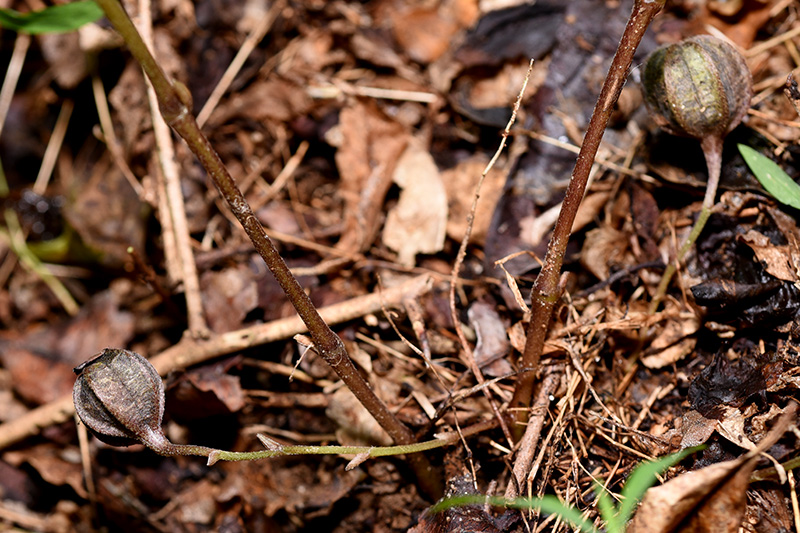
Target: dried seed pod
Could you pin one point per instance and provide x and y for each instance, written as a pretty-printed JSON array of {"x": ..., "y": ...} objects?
[
  {"x": 119, "y": 396},
  {"x": 701, "y": 88},
  {"x": 698, "y": 87}
]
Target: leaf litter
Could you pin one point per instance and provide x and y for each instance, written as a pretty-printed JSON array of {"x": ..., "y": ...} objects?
[{"x": 388, "y": 112}]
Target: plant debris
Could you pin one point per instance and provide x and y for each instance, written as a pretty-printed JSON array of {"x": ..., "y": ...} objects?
[{"x": 357, "y": 132}]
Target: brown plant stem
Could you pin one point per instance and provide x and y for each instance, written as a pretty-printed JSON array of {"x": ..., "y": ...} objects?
[
  {"x": 545, "y": 292},
  {"x": 172, "y": 102}
]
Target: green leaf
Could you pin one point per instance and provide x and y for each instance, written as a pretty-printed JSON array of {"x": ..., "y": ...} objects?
[
  {"x": 547, "y": 504},
  {"x": 644, "y": 476},
  {"x": 608, "y": 511},
  {"x": 53, "y": 19},
  {"x": 772, "y": 177}
]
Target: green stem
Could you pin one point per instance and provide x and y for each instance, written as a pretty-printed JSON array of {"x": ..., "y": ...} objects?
[
  {"x": 697, "y": 229},
  {"x": 771, "y": 474},
  {"x": 712, "y": 148},
  {"x": 172, "y": 104},
  {"x": 545, "y": 292},
  {"x": 369, "y": 451}
]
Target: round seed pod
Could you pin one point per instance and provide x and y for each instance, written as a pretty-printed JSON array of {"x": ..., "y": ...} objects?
[
  {"x": 699, "y": 87},
  {"x": 119, "y": 396}
]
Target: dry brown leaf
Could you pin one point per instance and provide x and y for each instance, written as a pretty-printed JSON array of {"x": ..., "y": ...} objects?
[
  {"x": 492, "y": 342},
  {"x": 417, "y": 223},
  {"x": 228, "y": 296},
  {"x": 460, "y": 182},
  {"x": 672, "y": 343},
  {"x": 711, "y": 499},
  {"x": 603, "y": 247},
  {"x": 369, "y": 145},
  {"x": 777, "y": 260}
]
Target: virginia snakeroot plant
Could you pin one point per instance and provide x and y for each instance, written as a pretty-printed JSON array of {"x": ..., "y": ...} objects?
[
  {"x": 700, "y": 88},
  {"x": 119, "y": 396}
]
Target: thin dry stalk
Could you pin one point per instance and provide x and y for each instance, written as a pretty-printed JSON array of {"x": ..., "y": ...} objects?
[
  {"x": 53, "y": 148},
  {"x": 174, "y": 195},
  {"x": 13, "y": 71},
  {"x": 545, "y": 292},
  {"x": 469, "y": 357},
  {"x": 110, "y": 138},
  {"x": 527, "y": 446},
  {"x": 250, "y": 43}
]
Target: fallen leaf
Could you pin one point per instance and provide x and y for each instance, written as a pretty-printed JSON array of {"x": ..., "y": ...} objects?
[
  {"x": 776, "y": 259},
  {"x": 368, "y": 147},
  {"x": 711, "y": 499},
  {"x": 493, "y": 341},
  {"x": 417, "y": 223}
]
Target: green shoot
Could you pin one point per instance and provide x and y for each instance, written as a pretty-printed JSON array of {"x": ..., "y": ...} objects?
[
  {"x": 54, "y": 19},
  {"x": 615, "y": 518},
  {"x": 774, "y": 179}
]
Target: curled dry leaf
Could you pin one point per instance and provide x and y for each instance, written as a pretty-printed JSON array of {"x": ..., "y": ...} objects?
[{"x": 711, "y": 499}]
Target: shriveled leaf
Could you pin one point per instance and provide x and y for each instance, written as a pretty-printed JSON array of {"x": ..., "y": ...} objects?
[
  {"x": 774, "y": 179},
  {"x": 54, "y": 19}
]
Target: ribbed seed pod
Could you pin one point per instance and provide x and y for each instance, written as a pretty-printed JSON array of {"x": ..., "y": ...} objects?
[
  {"x": 119, "y": 396},
  {"x": 698, "y": 87}
]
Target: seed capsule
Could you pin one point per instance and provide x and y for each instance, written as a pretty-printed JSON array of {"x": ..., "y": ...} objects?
[
  {"x": 699, "y": 87},
  {"x": 119, "y": 396}
]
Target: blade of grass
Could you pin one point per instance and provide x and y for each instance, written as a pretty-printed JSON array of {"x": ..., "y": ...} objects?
[
  {"x": 774, "y": 179},
  {"x": 547, "y": 504},
  {"x": 53, "y": 19}
]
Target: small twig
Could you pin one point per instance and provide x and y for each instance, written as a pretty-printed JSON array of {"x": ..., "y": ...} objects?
[
  {"x": 527, "y": 446},
  {"x": 545, "y": 292},
  {"x": 109, "y": 136},
  {"x": 13, "y": 71},
  {"x": 53, "y": 147},
  {"x": 469, "y": 357},
  {"x": 177, "y": 209},
  {"x": 250, "y": 43}
]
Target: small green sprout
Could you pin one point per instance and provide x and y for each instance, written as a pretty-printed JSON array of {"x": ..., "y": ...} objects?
[{"x": 615, "y": 518}]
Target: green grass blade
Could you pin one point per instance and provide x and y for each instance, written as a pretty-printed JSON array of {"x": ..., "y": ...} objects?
[
  {"x": 546, "y": 504},
  {"x": 772, "y": 177},
  {"x": 644, "y": 476},
  {"x": 608, "y": 511},
  {"x": 54, "y": 19}
]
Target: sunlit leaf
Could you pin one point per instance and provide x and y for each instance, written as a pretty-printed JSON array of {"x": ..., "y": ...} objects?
[
  {"x": 772, "y": 177},
  {"x": 53, "y": 19}
]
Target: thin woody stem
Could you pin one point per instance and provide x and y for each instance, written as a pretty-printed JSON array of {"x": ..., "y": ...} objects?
[
  {"x": 545, "y": 290},
  {"x": 172, "y": 103}
]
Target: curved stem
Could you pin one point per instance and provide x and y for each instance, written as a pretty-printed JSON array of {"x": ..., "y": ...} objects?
[{"x": 712, "y": 148}]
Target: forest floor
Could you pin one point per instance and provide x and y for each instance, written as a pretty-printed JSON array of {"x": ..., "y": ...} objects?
[{"x": 358, "y": 132}]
